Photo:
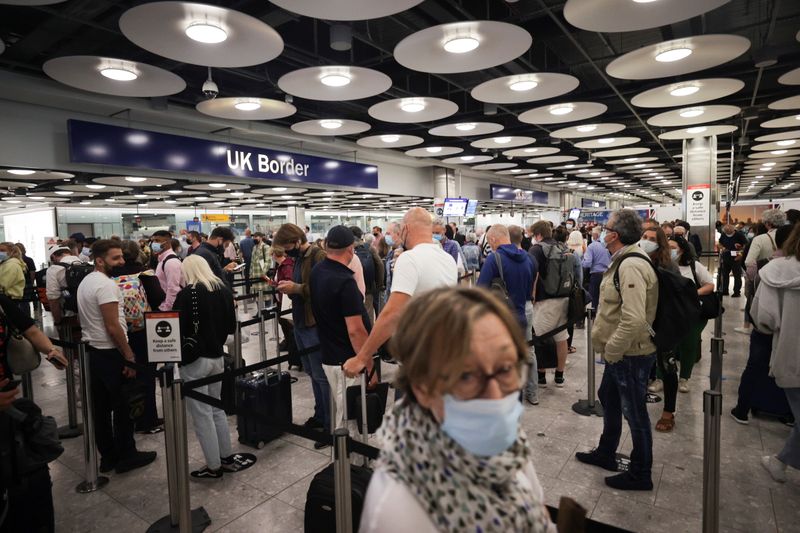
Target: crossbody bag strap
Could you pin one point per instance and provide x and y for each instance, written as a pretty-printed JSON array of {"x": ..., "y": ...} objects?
[
  {"x": 694, "y": 274},
  {"x": 195, "y": 311},
  {"x": 499, "y": 265},
  {"x": 772, "y": 241}
]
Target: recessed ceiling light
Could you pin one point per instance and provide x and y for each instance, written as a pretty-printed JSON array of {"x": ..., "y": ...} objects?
[
  {"x": 21, "y": 171},
  {"x": 86, "y": 202},
  {"x": 36, "y": 197},
  {"x": 676, "y": 54},
  {"x": 332, "y": 164},
  {"x": 461, "y": 45},
  {"x": 13, "y": 201},
  {"x": 170, "y": 202},
  {"x": 206, "y": 33},
  {"x": 110, "y": 200},
  {"x": 607, "y": 140},
  {"x": 64, "y": 193},
  {"x": 530, "y": 150},
  {"x": 562, "y": 109},
  {"x": 433, "y": 149},
  {"x": 594, "y": 173},
  {"x": 502, "y": 140},
  {"x": 586, "y": 128},
  {"x": 569, "y": 166},
  {"x": 780, "y": 143},
  {"x": 696, "y": 129},
  {"x": 247, "y": 106},
  {"x": 335, "y": 80},
  {"x": 466, "y": 126},
  {"x": 95, "y": 186},
  {"x": 771, "y": 164},
  {"x": 516, "y": 170},
  {"x": 467, "y": 157},
  {"x": 778, "y": 152},
  {"x": 279, "y": 189},
  {"x": 134, "y": 179},
  {"x": 631, "y": 159},
  {"x": 175, "y": 191},
  {"x": 412, "y": 106},
  {"x": 331, "y": 124},
  {"x": 217, "y": 185},
  {"x": 119, "y": 74},
  {"x": 692, "y": 112},
  {"x": 140, "y": 196},
  {"x": 329, "y": 193},
  {"x": 523, "y": 85},
  {"x": 640, "y": 165},
  {"x": 390, "y": 138},
  {"x": 757, "y": 178},
  {"x": 237, "y": 193},
  {"x": 685, "y": 90}
]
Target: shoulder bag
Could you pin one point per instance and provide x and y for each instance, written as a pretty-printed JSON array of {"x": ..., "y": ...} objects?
[
  {"x": 709, "y": 303},
  {"x": 190, "y": 345},
  {"x": 21, "y": 356}
]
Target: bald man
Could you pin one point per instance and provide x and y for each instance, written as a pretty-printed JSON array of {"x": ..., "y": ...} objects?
[{"x": 423, "y": 266}]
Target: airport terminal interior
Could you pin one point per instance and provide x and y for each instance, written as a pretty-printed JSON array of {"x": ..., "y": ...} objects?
[{"x": 161, "y": 123}]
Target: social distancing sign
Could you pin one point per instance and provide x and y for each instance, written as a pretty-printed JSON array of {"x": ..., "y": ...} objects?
[
  {"x": 163, "y": 337},
  {"x": 698, "y": 204}
]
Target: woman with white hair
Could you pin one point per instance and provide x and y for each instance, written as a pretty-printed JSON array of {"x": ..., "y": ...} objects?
[
  {"x": 208, "y": 315},
  {"x": 763, "y": 246}
]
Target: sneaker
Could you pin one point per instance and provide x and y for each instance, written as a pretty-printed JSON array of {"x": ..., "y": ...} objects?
[
  {"x": 683, "y": 385},
  {"x": 207, "y": 473},
  {"x": 595, "y": 458},
  {"x": 107, "y": 465},
  {"x": 775, "y": 468},
  {"x": 744, "y": 331},
  {"x": 531, "y": 397},
  {"x": 237, "y": 462},
  {"x": 559, "y": 380},
  {"x": 656, "y": 386},
  {"x": 542, "y": 379},
  {"x": 625, "y": 481},
  {"x": 137, "y": 460},
  {"x": 313, "y": 423},
  {"x": 740, "y": 418}
]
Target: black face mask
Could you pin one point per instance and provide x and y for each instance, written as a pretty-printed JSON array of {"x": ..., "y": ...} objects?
[{"x": 294, "y": 252}]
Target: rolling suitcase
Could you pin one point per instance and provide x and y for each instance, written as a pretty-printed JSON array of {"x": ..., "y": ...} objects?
[
  {"x": 320, "y": 510},
  {"x": 269, "y": 394},
  {"x": 768, "y": 398}
]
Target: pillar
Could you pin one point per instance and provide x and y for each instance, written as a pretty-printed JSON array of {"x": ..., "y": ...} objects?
[
  {"x": 296, "y": 215},
  {"x": 699, "y": 204}
]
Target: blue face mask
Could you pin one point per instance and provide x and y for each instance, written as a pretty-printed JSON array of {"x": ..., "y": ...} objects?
[
  {"x": 437, "y": 237},
  {"x": 155, "y": 247},
  {"x": 483, "y": 427},
  {"x": 388, "y": 239},
  {"x": 602, "y": 238},
  {"x": 3, "y": 256},
  {"x": 673, "y": 254}
]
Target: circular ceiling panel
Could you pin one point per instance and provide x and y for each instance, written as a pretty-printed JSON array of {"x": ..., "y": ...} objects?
[
  {"x": 688, "y": 92},
  {"x": 621, "y": 152},
  {"x": 92, "y": 188},
  {"x": 133, "y": 181},
  {"x": 462, "y": 46},
  {"x": 278, "y": 190},
  {"x": 346, "y": 9},
  {"x": 413, "y": 110},
  {"x": 783, "y": 156},
  {"x": 607, "y": 142},
  {"x": 503, "y": 142},
  {"x": 792, "y": 102},
  {"x": 693, "y": 115},
  {"x": 794, "y": 134},
  {"x": 467, "y": 159},
  {"x": 786, "y": 122},
  {"x": 334, "y": 83},
  {"x": 201, "y": 34},
  {"x": 434, "y": 151},
  {"x": 624, "y": 15},
  {"x": 217, "y": 186},
  {"x": 330, "y": 126},
  {"x": 531, "y": 152},
  {"x": 678, "y": 56},
  {"x": 697, "y": 131},
  {"x": 547, "y": 160},
  {"x": 520, "y": 88},
  {"x": 494, "y": 166},
  {"x": 116, "y": 77},
  {"x": 16, "y": 185},
  {"x": 389, "y": 140},
  {"x": 34, "y": 175},
  {"x": 790, "y": 78},
  {"x": 562, "y": 112},
  {"x": 466, "y": 129},
  {"x": 587, "y": 130},
  {"x": 778, "y": 145},
  {"x": 629, "y": 160},
  {"x": 246, "y": 108}
]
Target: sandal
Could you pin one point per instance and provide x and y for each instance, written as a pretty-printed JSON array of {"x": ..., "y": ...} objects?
[
  {"x": 572, "y": 349},
  {"x": 665, "y": 425}
]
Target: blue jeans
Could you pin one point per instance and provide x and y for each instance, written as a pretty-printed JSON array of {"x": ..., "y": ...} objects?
[
  {"x": 312, "y": 364},
  {"x": 790, "y": 455},
  {"x": 623, "y": 392},
  {"x": 210, "y": 423}
]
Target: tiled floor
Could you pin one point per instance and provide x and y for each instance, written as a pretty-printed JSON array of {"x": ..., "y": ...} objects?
[{"x": 270, "y": 497}]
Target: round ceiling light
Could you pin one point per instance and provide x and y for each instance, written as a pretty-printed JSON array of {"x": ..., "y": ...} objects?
[
  {"x": 461, "y": 45},
  {"x": 523, "y": 85},
  {"x": 335, "y": 80},
  {"x": 586, "y": 128},
  {"x": 247, "y": 106},
  {"x": 390, "y": 138},
  {"x": 778, "y": 152},
  {"x": 412, "y": 106},
  {"x": 696, "y": 129},
  {"x": 216, "y": 185},
  {"x": 119, "y": 74},
  {"x": 279, "y": 189},
  {"x": 675, "y": 54},
  {"x": 502, "y": 140},
  {"x": 692, "y": 112},
  {"x": 607, "y": 140},
  {"x": 134, "y": 179},
  {"x": 64, "y": 193},
  {"x": 788, "y": 142},
  {"x": 467, "y": 157},
  {"x": 21, "y": 172},
  {"x": 562, "y": 109},
  {"x": 206, "y": 33},
  {"x": 466, "y": 126},
  {"x": 95, "y": 186},
  {"x": 433, "y": 149},
  {"x": 685, "y": 90},
  {"x": 331, "y": 124}
]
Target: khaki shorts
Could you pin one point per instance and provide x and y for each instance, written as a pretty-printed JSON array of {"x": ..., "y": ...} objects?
[{"x": 550, "y": 314}]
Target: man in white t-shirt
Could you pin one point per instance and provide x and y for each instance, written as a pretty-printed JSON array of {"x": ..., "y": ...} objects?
[
  {"x": 102, "y": 316},
  {"x": 422, "y": 267}
]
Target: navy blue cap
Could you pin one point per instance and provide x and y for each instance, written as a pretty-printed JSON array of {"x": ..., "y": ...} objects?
[{"x": 339, "y": 237}]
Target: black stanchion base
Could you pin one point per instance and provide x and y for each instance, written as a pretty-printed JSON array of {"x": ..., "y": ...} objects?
[
  {"x": 200, "y": 521},
  {"x": 583, "y": 408},
  {"x": 653, "y": 398},
  {"x": 66, "y": 432}
]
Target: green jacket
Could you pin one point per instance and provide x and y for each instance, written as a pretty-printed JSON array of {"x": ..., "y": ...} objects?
[
  {"x": 314, "y": 254},
  {"x": 12, "y": 278},
  {"x": 625, "y": 317}
]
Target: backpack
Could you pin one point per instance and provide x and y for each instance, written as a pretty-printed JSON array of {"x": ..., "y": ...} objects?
[
  {"x": 498, "y": 284},
  {"x": 365, "y": 256},
  {"x": 74, "y": 274},
  {"x": 134, "y": 299},
  {"x": 678, "y": 306},
  {"x": 558, "y": 275},
  {"x": 41, "y": 288},
  {"x": 29, "y": 441}
]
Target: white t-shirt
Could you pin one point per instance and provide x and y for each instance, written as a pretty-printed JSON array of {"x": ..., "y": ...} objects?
[
  {"x": 423, "y": 268},
  {"x": 703, "y": 275},
  {"x": 97, "y": 289},
  {"x": 56, "y": 280}
]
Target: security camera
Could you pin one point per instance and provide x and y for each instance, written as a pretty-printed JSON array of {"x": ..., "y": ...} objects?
[{"x": 210, "y": 89}]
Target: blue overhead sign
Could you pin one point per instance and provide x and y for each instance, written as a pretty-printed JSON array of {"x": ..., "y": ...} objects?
[
  {"x": 102, "y": 144},
  {"x": 515, "y": 194}
]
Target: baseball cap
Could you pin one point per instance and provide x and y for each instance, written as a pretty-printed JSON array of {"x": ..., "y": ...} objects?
[
  {"x": 80, "y": 237},
  {"x": 53, "y": 248},
  {"x": 357, "y": 233},
  {"x": 339, "y": 237}
]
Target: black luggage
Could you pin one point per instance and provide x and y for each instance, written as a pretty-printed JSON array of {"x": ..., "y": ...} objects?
[
  {"x": 768, "y": 398},
  {"x": 268, "y": 394},
  {"x": 320, "y": 512},
  {"x": 375, "y": 397}
]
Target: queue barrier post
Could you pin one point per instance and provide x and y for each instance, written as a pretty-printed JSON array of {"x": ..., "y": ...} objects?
[
  {"x": 276, "y": 335},
  {"x": 712, "y": 414},
  {"x": 166, "y": 380},
  {"x": 262, "y": 341},
  {"x": 92, "y": 481},
  {"x": 590, "y": 406},
  {"x": 72, "y": 429},
  {"x": 342, "y": 482},
  {"x": 238, "y": 359},
  {"x": 27, "y": 385}
]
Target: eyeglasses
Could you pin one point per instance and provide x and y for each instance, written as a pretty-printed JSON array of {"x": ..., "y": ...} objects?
[{"x": 509, "y": 378}]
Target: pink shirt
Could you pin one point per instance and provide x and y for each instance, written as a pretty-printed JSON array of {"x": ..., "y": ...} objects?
[
  {"x": 170, "y": 277},
  {"x": 358, "y": 274}
]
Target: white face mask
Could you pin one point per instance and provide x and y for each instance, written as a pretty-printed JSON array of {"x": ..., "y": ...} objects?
[{"x": 648, "y": 246}]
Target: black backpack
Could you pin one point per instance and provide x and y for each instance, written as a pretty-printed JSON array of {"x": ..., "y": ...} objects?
[
  {"x": 557, "y": 276},
  {"x": 678, "y": 306},
  {"x": 365, "y": 256},
  {"x": 74, "y": 274},
  {"x": 28, "y": 441}
]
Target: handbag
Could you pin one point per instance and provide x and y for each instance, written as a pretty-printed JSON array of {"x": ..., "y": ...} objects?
[
  {"x": 190, "y": 344},
  {"x": 377, "y": 396},
  {"x": 21, "y": 356},
  {"x": 709, "y": 303}
]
